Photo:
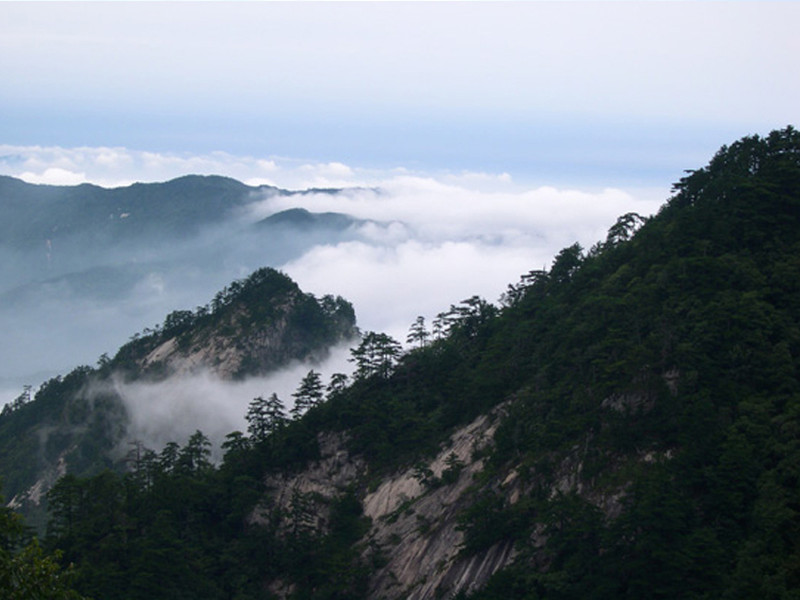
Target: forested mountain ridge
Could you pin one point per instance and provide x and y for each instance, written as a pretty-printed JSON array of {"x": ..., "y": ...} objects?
[
  {"x": 626, "y": 424},
  {"x": 40, "y": 212},
  {"x": 103, "y": 218},
  {"x": 250, "y": 327},
  {"x": 78, "y": 423}
]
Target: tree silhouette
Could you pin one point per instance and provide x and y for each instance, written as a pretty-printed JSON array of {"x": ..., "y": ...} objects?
[
  {"x": 308, "y": 395},
  {"x": 376, "y": 355},
  {"x": 265, "y": 416},
  {"x": 337, "y": 384},
  {"x": 418, "y": 334}
]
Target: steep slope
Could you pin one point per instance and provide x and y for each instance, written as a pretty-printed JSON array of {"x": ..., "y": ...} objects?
[
  {"x": 648, "y": 442},
  {"x": 77, "y": 423},
  {"x": 251, "y": 327},
  {"x": 625, "y": 425}
]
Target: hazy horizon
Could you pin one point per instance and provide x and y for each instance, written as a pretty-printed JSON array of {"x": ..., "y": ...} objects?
[{"x": 570, "y": 94}]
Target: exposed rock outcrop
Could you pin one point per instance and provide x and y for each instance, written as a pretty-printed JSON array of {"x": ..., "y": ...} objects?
[
  {"x": 414, "y": 535},
  {"x": 320, "y": 482},
  {"x": 415, "y": 523},
  {"x": 252, "y": 327},
  {"x": 225, "y": 350}
]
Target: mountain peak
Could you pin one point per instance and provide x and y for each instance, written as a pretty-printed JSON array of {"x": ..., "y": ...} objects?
[{"x": 251, "y": 327}]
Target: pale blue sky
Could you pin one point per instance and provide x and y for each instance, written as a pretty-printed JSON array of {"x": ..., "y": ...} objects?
[{"x": 580, "y": 93}]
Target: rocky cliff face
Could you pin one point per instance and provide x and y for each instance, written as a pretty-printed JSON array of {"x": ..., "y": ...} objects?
[
  {"x": 230, "y": 351},
  {"x": 252, "y": 327},
  {"x": 416, "y": 539},
  {"x": 415, "y": 523},
  {"x": 414, "y": 535}
]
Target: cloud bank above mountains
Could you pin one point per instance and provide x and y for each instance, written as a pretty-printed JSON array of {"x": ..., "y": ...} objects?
[
  {"x": 119, "y": 166},
  {"x": 453, "y": 242},
  {"x": 427, "y": 240},
  {"x": 444, "y": 236}
]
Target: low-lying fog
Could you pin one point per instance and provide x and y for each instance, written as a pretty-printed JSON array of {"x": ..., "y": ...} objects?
[
  {"x": 425, "y": 244},
  {"x": 173, "y": 409}
]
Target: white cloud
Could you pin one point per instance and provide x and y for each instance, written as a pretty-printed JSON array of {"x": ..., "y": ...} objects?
[
  {"x": 173, "y": 409},
  {"x": 443, "y": 243},
  {"x": 406, "y": 193},
  {"x": 433, "y": 240},
  {"x": 118, "y": 166},
  {"x": 439, "y": 211},
  {"x": 113, "y": 158},
  {"x": 390, "y": 285},
  {"x": 332, "y": 174},
  {"x": 439, "y": 237},
  {"x": 54, "y": 176}
]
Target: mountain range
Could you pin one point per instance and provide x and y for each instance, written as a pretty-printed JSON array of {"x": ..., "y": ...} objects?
[
  {"x": 90, "y": 264},
  {"x": 623, "y": 425}
]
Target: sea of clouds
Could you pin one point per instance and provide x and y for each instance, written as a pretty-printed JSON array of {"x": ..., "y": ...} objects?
[{"x": 430, "y": 240}]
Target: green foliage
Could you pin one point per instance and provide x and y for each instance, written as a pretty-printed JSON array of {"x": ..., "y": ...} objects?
[
  {"x": 652, "y": 418},
  {"x": 78, "y": 418},
  {"x": 337, "y": 384},
  {"x": 326, "y": 565},
  {"x": 308, "y": 395},
  {"x": 667, "y": 363},
  {"x": 57, "y": 422},
  {"x": 375, "y": 355},
  {"x": 265, "y": 417},
  {"x": 453, "y": 468},
  {"x": 487, "y": 521},
  {"x": 26, "y": 571},
  {"x": 165, "y": 530},
  {"x": 177, "y": 527},
  {"x": 418, "y": 334}
]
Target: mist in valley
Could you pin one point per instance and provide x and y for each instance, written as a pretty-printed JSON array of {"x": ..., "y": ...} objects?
[
  {"x": 411, "y": 246},
  {"x": 171, "y": 410}
]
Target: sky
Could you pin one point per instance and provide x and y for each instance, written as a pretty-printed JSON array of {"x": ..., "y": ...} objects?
[
  {"x": 570, "y": 93},
  {"x": 496, "y": 133}
]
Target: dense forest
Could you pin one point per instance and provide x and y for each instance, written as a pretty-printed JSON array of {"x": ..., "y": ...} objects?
[{"x": 663, "y": 364}]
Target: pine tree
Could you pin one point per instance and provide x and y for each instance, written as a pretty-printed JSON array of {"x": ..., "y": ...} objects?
[
  {"x": 418, "y": 334},
  {"x": 265, "y": 416},
  {"x": 194, "y": 457},
  {"x": 308, "y": 395},
  {"x": 337, "y": 384},
  {"x": 376, "y": 355}
]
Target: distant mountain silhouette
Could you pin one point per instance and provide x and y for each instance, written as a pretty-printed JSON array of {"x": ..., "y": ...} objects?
[
  {"x": 300, "y": 218},
  {"x": 87, "y": 264}
]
